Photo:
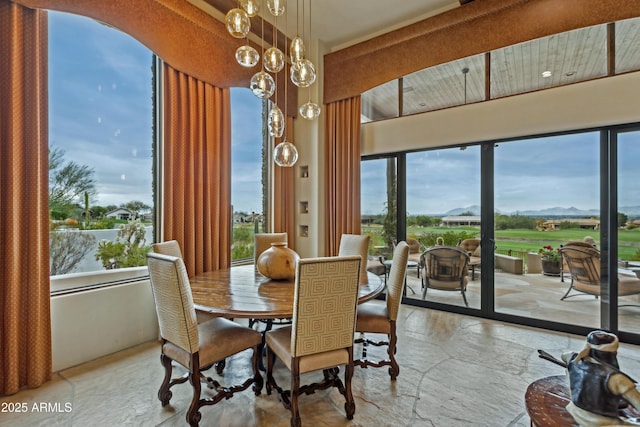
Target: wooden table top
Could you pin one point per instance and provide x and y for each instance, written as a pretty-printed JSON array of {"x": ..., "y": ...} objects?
[
  {"x": 241, "y": 292},
  {"x": 547, "y": 398}
]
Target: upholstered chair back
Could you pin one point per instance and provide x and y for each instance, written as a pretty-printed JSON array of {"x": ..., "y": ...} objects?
[
  {"x": 174, "y": 303},
  {"x": 355, "y": 244},
  {"x": 325, "y": 300},
  {"x": 170, "y": 247},
  {"x": 396, "y": 281},
  {"x": 263, "y": 241}
]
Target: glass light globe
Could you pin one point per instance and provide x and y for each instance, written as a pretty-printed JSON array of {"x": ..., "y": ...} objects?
[
  {"x": 296, "y": 49},
  {"x": 303, "y": 73},
  {"x": 275, "y": 121},
  {"x": 310, "y": 110},
  {"x": 252, "y": 7},
  {"x": 247, "y": 56},
  {"x": 238, "y": 23},
  {"x": 262, "y": 85},
  {"x": 273, "y": 59},
  {"x": 285, "y": 154},
  {"x": 276, "y": 7}
]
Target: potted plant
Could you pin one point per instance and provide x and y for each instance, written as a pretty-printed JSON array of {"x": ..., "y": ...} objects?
[{"x": 551, "y": 259}]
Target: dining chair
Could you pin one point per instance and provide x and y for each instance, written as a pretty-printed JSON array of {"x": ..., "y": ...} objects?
[
  {"x": 170, "y": 247},
  {"x": 321, "y": 335},
  {"x": 445, "y": 269},
  {"x": 195, "y": 346},
  {"x": 356, "y": 244},
  {"x": 263, "y": 241},
  {"x": 381, "y": 319}
]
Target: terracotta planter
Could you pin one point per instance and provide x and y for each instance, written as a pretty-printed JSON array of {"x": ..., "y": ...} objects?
[
  {"x": 550, "y": 268},
  {"x": 278, "y": 262}
]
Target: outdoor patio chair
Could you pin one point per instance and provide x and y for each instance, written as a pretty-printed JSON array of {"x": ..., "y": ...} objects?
[
  {"x": 584, "y": 266},
  {"x": 564, "y": 268},
  {"x": 445, "y": 268},
  {"x": 473, "y": 249}
]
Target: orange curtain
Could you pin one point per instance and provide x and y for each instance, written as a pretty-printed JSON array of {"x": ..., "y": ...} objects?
[
  {"x": 25, "y": 329},
  {"x": 283, "y": 195},
  {"x": 197, "y": 169},
  {"x": 342, "y": 171}
]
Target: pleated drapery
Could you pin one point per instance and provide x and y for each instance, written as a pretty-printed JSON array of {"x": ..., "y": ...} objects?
[
  {"x": 342, "y": 171},
  {"x": 25, "y": 321},
  {"x": 197, "y": 170},
  {"x": 283, "y": 194}
]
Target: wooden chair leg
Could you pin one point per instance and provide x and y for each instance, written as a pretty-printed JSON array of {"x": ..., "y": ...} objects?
[
  {"x": 255, "y": 363},
  {"x": 394, "y": 369},
  {"x": 295, "y": 391},
  {"x": 350, "y": 405},
  {"x": 193, "y": 413},
  {"x": 164, "y": 394}
]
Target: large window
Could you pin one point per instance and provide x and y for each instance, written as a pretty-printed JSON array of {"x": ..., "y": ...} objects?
[
  {"x": 100, "y": 145},
  {"x": 248, "y": 172}
]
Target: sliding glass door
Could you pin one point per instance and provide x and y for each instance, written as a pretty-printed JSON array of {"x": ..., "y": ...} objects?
[{"x": 546, "y": 195}]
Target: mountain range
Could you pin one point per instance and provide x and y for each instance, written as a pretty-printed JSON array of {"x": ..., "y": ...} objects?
[{"x": 572, "y": 212}]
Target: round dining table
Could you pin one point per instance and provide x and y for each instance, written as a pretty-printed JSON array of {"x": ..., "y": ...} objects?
[{"x": 242, "y": 292}]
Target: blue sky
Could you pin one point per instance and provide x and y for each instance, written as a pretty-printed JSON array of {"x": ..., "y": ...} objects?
[{"x": 100, "y": 114}]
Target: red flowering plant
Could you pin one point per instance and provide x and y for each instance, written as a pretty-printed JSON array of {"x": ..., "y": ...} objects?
[{"x": 550, "y": 254}]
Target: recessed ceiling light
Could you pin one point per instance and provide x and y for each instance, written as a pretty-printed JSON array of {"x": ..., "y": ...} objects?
[
  {"x": 570, "y": 73},
  {"x": 422, "y": 104},
  {"x": 546, "y": 74}
]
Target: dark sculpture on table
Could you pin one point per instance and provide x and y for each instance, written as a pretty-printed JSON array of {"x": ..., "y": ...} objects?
[{"x": 598, "y": 387}]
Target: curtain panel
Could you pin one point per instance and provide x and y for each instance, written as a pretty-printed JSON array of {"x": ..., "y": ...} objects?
[
  {"x": 25, "y": 332},
  {"x": 283, "y": 194},
  {"x": 342, "y": 171},
  {"x": 197, "y": 170}
]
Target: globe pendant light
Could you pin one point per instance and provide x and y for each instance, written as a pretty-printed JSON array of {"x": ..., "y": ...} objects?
[
  {"x": 297, "y": 49},
  {"x": 303, "y": 73},
  {"x": 275, "y": 122},
  {"x": 252, "y": 7},
  {"x": 310, "y": 110},
  {"x": 285, "y": 154},
  {"x": 273, "y": 59},
  {"x": 276, "y": 7},
  {"x": 247, "y": 56},
  {"x": 238, "y": 23},
  {"x": 262, "y": 85}
]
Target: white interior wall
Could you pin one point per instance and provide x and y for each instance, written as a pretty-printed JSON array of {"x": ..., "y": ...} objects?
[{"x": 94, "y": 323}]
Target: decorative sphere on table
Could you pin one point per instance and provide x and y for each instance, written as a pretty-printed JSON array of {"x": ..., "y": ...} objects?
[{"x": 278, "y": 262}]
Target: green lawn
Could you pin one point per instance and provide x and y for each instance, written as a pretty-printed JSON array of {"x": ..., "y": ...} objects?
[{"x": 522, "y": 239}]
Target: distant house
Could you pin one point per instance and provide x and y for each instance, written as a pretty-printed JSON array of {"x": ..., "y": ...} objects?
[
  {"x": 461, "y": 221},
  {"x": 586, "y": 223},
  {"x": 121, "y": 214}
]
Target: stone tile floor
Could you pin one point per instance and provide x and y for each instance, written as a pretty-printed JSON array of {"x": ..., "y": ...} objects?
[{"x": 455, "y": 371}]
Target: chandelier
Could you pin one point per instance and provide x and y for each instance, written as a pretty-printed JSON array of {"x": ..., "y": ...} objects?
[{"x": 302, "y": 71}]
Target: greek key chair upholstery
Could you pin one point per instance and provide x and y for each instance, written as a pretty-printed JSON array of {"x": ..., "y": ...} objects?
[
  {"x": 355, "y": 244},
  {"x": 321, "y": 335},
  {"x": 445, "y": 268},
  {"x": 195, "y": 346},
  {"x": 381, "y": 319}
]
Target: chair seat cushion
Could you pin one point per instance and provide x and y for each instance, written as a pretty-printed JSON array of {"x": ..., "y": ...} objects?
[
  {"x": 279, "y": 341},
  {"x": 218, "y": 339},
  {"x": 373, "y": 318},
  {"x": 628, "y": 285}
]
